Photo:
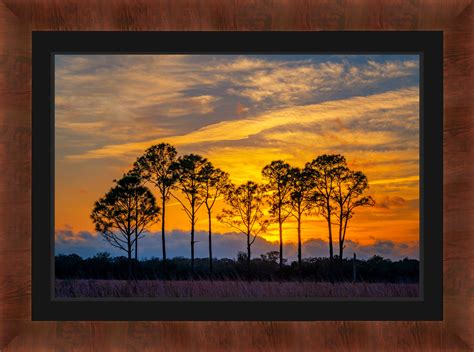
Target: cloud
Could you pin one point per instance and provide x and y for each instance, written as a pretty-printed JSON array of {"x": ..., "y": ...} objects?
[
  {"x": 296, "y": 81},
  {"x": 240, "y": 109},
  {"x": 346, "y": 109},
  {"x": 68, "y": 236},
  {"x": 113, "y": 93},
  {"x": 242, "y": 63},
  {"x": 388, "y": 202},
  {"x": 225, "y": 246},
  {"x": 178, "y": 106},
  {"x": 132, "y": 97},
  {"x": 389, "y": 69},
  {"x": 414, "y": 178},
  {"x": 334, "y": 138},
  {"x": 384, "y": 248},
  {"x": 285, "y": 85}
]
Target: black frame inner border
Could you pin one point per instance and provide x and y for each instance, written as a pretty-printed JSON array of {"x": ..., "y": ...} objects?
[{"x": 427, "y": 44}]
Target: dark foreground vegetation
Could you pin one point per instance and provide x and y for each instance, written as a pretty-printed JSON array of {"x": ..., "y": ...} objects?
[
  {"x": 229, "y": 289},
  {"x": 265, "y": 268}
]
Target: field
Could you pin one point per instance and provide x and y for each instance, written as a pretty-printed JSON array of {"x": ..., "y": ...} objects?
[{"x": 229, "y": 289}]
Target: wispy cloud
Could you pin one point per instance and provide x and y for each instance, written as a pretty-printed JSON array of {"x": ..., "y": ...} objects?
[
  {"x": 283, "y": 84},
  {"x": 414, "y": 178},
  {"x": 352, "y": 108},
  {"x": 145, "y": 90}
]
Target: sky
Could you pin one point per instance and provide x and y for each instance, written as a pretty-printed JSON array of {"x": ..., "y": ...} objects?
[{"x": 240, "y": 112}]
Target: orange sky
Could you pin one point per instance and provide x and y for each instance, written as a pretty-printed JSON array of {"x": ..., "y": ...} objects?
[{"x": 241, "y": 113}]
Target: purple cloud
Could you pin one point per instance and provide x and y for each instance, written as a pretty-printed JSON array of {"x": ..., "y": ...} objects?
[{"x": 227, "y": 245}]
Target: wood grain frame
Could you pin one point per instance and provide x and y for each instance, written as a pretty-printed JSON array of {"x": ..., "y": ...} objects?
[{"x": 19, "y": 18}]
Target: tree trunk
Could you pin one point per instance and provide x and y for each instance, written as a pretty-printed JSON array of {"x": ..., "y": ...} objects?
[
  {"x": 129, "y": 261},
  {"x": 343, "y": 238},
  {"x": 341, "y": 241},
  {"x": 136, "y": 232},
  {"x": 163, "y": 241},
  {"x": 136, "y": 229},
  {"x": 331, "y": 250},
  {"x": 192, "y": 238},
  {"x": 354, "y": 273},
  {"x": 340, "y": 261},
  {"x": 248, "y": 256},
  {"x": 341, "y": 250},
  {"x": 136, "y": 247},
  {"x": 210, "y": 242},
  {"x": 135, "y": 263},
  {"x": 281, "y": 237},
  {"x": 299, "y": 237}
]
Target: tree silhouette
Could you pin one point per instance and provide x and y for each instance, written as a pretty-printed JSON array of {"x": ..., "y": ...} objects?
[
  {"x": 272, "y": 257},
  {"x": 325, "y": 184},
  {"x": 300, "y": 202},
  {"x": 189, "y": 174},
  {"x": 133, "y": 173},
  {"x": 155, "y": 166},
  {"x": 349, "y": 189},
  {"x": 278, "y": 175},
  {"x": 125, "y": 210},
  {"x": 245, "y": 214},
  {"x": 325, "y": 170},
  {"x": 215, "y": 184}
]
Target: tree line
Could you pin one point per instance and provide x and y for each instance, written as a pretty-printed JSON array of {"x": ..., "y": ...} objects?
[
  {"x": 325, "y": 186},
  {"x": 265, "y": 267}
]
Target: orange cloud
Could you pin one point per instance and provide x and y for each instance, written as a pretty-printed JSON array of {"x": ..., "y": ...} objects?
[{"x": 241, "y": 129}]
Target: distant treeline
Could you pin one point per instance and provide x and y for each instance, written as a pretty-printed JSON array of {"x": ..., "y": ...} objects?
[{"x": 264, "y": 268}]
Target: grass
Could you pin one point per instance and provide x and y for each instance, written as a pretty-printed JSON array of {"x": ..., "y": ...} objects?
[{"x": 229, "y": 289}]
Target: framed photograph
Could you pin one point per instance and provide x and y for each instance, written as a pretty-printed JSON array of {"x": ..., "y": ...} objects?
[
  {"x": 237, "y": 176},
  {"x": 108, "y": 58}
]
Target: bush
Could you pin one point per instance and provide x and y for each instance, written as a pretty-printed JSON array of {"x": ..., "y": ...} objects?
[{"x": 103, "y": 266}]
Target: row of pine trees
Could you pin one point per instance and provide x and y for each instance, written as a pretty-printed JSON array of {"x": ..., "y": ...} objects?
[{"x": 326, "y": 186}]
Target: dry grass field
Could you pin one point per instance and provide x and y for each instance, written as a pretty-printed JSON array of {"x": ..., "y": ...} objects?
[{"x": 229, "y": 289}]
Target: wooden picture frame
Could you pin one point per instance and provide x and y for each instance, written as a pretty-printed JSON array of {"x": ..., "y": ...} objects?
[
  {"x": 19, "y": 19},
  {"x": 426, "y": 46}
]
